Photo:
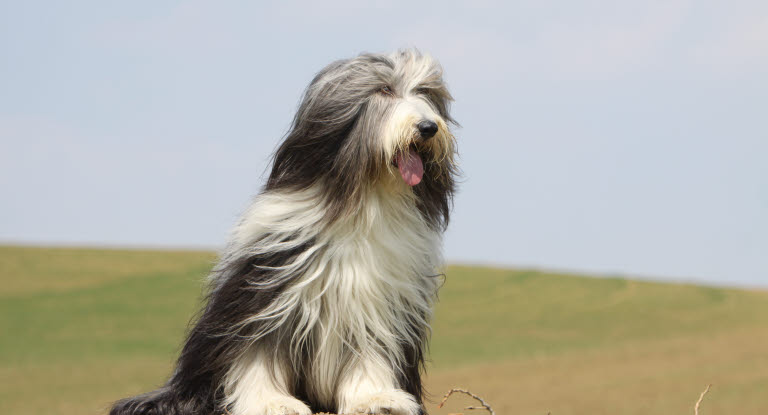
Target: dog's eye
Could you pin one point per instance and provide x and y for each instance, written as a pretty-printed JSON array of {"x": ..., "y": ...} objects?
[{"x": 386, "y": 90}]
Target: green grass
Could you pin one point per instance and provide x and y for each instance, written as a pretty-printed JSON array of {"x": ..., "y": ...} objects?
[
  {"x": 82, "y": 327},
  {"x": 486, "y": 314}
]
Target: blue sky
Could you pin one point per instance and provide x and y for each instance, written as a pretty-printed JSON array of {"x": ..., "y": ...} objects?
[{"x": 602, "y": 136}]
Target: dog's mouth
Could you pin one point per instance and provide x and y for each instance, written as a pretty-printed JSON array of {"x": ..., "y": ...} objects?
[{"x": 410, "y": 165}]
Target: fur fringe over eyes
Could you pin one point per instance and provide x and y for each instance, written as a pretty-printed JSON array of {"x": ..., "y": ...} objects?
[{"x": 322, "y": 299}]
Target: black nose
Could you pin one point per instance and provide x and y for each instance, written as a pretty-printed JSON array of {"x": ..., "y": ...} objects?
[{"x": 427, "y": 129}]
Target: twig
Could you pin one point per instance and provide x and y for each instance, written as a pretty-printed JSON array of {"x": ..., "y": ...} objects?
[
  {"x": 701, "y": 397},
  {"x": 479, "y": 399}
]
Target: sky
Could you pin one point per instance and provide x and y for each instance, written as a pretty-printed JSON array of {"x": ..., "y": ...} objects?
[{"x": 622, "y": 138}]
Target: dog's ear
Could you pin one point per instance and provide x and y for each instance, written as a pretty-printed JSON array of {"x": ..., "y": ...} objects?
[
  {"x": 332, "y": 140},
  {"x": 316, "y": 135}
]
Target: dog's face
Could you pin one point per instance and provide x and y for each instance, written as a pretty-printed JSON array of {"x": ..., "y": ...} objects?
[{"x": 373, "y": 121}]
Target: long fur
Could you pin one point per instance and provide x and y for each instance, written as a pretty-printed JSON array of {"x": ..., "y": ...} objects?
[{"x": 322, "y": 299}]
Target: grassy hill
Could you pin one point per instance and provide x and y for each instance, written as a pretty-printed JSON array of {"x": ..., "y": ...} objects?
[{"x": 83, "y": 327}]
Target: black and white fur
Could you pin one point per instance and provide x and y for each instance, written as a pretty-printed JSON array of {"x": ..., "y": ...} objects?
[{"x": 322, "y": 299}]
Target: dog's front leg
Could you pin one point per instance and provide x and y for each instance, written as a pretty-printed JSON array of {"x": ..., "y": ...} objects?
[
  {"x": 258, "y": 386},
  {"x": 369, "y": 388}
]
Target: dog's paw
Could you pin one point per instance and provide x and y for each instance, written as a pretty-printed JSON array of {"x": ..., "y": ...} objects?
[
  {"x": 395, "y": 402},
  {"x": 284, "y": 405}
]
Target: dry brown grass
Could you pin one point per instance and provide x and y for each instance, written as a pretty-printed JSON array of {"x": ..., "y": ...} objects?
[
  {"x": 657, "y": 377},
  {"x": 486, "y": 406}
]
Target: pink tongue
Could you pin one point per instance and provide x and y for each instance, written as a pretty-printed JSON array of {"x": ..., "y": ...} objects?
[{"x": 411, "y": 167}]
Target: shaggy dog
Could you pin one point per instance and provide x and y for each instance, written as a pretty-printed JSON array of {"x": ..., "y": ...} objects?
[{"x": 322, "y": 299}]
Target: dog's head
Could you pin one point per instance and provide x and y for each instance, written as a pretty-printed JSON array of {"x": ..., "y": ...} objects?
[{"x": 374, "y": 122}]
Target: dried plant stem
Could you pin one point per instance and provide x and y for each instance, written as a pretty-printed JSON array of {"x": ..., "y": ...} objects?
[
  {"x": 464, "y": 391},
  {"x": 701, "y": 398}
]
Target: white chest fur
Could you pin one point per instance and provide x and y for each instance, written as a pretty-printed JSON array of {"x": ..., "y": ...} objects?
[{"x": 358, "y": 291}]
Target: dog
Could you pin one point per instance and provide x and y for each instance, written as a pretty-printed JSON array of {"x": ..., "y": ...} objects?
[{"x": 322, "y": 298}]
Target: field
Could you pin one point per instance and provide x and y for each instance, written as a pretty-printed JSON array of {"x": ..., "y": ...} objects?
[{"x": 82, "y": 327}]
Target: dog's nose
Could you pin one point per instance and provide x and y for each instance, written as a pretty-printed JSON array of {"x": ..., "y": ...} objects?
[{"x": 427, "y": 129}]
